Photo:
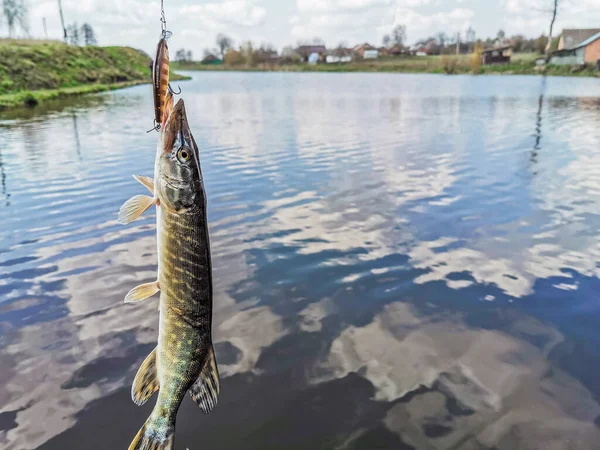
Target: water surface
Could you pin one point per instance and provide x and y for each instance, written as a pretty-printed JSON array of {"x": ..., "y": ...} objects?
[{"x": 400, "y": 262}]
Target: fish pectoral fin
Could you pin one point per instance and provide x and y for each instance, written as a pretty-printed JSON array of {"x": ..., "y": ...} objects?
[
  {"x": 205, "y": 391},
  {"x": 147, "y": 182},
  {"x": 142, "y": 292},
  {"x": 134, "y": 208},
  {"x": 145, "y": 382}
]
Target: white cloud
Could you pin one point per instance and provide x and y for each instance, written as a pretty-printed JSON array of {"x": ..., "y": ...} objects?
[
  {"x": 312, "y": 6},
  {"x": 523, "y": 16},
  {"x": 235, "y": 12}
]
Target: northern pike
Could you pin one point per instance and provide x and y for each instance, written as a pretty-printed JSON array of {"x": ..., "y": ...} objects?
[{"x": 184, "y": 359}]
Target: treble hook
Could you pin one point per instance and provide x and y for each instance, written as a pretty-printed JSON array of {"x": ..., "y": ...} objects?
[
  {"x": 172, "y": 91},
  {"x": 156, "y": 128}
]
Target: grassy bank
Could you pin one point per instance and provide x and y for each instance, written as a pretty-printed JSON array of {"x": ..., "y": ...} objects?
[
  {"x": 521, "y": 64},
  {"x": 34, "y": 71}
]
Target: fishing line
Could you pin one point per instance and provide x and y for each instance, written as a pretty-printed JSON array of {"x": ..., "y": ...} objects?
[{"x": 163, "y": 22}]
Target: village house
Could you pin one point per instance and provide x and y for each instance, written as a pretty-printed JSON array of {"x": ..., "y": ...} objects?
[
  {"x": 339, "y": 55},
  {"x": 366, "y": 51},
  {"x": 398, "y": 50},
  {"x": 425, "y": 48},
  {"x": 577, "y": 47},
  {"x": 312, "y": 53},
  {"x": 211, "y": 59},
  {"x": 496, "y": 55}
]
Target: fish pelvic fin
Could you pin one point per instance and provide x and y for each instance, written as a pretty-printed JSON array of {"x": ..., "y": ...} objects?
[
  {"x": 142, "y": 292},
  {"x": 134, "y": 208},
  {"x": 205, "y": 391},
  {"x": 147, "y": 182},
  {"x": 152, "y": 438},
  {"x": 145, "y": 382}
]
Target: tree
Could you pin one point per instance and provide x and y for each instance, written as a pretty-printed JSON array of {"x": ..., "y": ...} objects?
[
  {"x": 470, "y": 35},
  {"x": 399, "y": 34},
  {"x": 89, "y": 37},
  {"x": 73, "y": 34},
  {"x": 501, "y": 35},
  {"x": 386, "y": 40},
  {"x": 233, "y": 57},
  {"x": 188, "y": 55},
  {"x": 15, "y": 12},
  {"x": 441, "y": 39},
  {"x": 180, "y": 54},
  {"x": 549, "y": 44},
  {"x": 541, "y": 44},
  {"x": 224, "y": 43},
  {"x": 247, "y": 51}
]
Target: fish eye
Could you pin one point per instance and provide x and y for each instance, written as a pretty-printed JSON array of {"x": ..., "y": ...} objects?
[{"x": 183, "y": 155}]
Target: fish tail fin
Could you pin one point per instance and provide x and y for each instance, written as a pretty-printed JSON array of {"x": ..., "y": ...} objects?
[{"x": 150, "y": 438}]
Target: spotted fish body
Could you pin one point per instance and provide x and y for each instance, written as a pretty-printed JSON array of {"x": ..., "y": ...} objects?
[
  {"x": 160, "y": 80},
  {"x": 184, "y": 359}
]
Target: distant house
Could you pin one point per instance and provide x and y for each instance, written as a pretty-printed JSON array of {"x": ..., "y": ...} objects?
[
  {"x": 383, "y": 51},
  {"x": 267, "y": 56},
  {"x": 305, "y": 51},
  {"x": 366, "y": 51},
  {"x": 211, "y": 59},
  {"x": 586, "y": 51},
  {"x": 397, "y": 50},
  {"x": 425, "y": 48},
  {"x": 339, "y": 55},
  {"x": 571, "y": 38},
  {"x": 496, "y": 55}
]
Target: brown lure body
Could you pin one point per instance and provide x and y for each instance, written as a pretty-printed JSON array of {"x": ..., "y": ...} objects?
[{"x": 160, "y": 80}]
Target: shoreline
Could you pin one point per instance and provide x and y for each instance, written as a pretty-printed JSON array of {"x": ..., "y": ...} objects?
[
  {"x": 31, "y": 99},
  {"x": 425, "y": 66}
]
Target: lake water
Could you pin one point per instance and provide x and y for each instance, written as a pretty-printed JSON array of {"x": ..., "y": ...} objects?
[{"x": 400, "y": 262}]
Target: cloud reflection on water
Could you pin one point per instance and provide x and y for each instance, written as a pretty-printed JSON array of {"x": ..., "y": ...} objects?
[{"x": 374, "y": 245}]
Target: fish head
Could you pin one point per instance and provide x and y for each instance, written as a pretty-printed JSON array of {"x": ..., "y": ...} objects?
[{"x": 180, "y": 187}]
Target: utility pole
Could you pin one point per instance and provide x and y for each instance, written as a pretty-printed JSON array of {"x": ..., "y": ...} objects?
[
  {"x": 45, "y": 29},
  {"x": 458, "y": 43},
  {"x": 62, "y": 20}
]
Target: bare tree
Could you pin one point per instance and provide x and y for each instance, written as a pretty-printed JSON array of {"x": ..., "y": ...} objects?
[
  {"x": 549, "y": 44},
  {"x": 188, "y": 55},
  {"x": 180, "y": 54},
  {"x": 89, "y": 37},
  {"x": 224, "y": 43},
  {"x": 386, "y": 40},
  {"x": 73, "y": 34},
  {"x": 399, "y": 34},
  {"x": 442, "y": 38},
  {"x": 15, "y": 12},
  {"x": 470, "y": 35}
]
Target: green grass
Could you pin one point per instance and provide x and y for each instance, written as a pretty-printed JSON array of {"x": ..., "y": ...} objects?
[
  {"x": 33, "y": 71},
  {"x": 521, "y": 64}
]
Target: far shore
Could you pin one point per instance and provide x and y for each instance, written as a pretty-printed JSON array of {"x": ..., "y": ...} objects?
[{"x": 521, "y": 64}]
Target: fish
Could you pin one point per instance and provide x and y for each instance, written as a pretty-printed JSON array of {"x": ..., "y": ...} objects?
[
  {"x": 160, "y": 81},
  {"x": 184, "y": 359}
]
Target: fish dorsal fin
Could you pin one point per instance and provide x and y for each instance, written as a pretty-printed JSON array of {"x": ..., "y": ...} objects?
[
  {"x": 134, "y": 208},
  {"x": 142, "y": 292},
  {"x": 205, "y": 391},
  {"x": 146, "y": 380}
]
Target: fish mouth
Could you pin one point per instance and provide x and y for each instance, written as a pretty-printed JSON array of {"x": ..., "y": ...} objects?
[{"x": 177, "y": 130}]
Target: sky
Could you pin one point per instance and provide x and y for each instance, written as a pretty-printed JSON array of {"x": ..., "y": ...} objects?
[{"x": 195, "y": 23}]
